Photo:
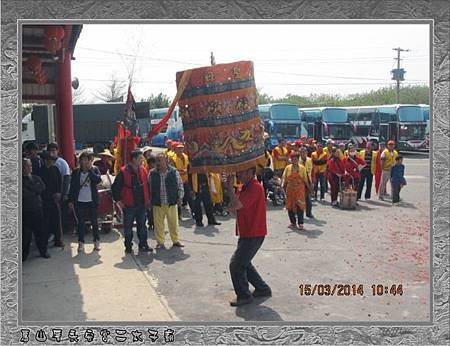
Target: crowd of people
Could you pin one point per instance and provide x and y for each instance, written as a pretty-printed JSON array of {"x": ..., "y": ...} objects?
[
  {"x": 308, "y": 170},
  {"x": 151, "y": 188}
]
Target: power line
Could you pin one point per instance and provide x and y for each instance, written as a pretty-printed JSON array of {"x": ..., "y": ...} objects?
[{"x": 270, "y": 83}]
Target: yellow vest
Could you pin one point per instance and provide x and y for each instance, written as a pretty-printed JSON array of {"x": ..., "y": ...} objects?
[
  {"x": 316, "y": 156},
  {"x": 389, "y": 159},
  {"x": 373, "y": 162},
  {"x": 215, "y": 183},
  {"x": 279, "y": 164},
  {"x": 301, "y": 171},
  {"x": 168, "y": 153},
  {"x": 259, "y": 168},
  {"x": 181, "y": 165},
  {"x": 328, "y": 152},
  {"x": 308, "y": 166}
]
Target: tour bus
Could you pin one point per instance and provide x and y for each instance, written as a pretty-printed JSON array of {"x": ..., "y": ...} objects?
[
  {"x": 173, "y": 129},
  {"x": 405, "y": 124},
  {"x": 361, "y": 118},
  {"x": 281, "y": 120},
  {"x": 328, "y": 123},
  {"x": 426, "y": 117}
]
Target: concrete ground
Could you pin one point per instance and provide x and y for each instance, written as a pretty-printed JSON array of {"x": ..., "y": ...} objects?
[{"x": 375, "y": 244}]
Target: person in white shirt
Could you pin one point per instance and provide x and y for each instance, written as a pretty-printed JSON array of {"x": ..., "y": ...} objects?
[{"x": 83, "y": 197}]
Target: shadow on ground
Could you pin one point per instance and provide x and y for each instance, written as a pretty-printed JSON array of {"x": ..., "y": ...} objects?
[{"x": 257, "y": 312}]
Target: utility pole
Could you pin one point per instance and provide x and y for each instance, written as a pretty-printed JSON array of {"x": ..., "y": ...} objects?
[
  {"x": 398, "y": 73},
  {"x": 213, "y": 60}
]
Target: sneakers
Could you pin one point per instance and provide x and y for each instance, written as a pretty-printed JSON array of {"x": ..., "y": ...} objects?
[
  {"x": 97, "y": 245},
  {"x": 239, "y": 302},
  {"x": 80, "y": 246},
  {"x": 178, "y": 244},
  {"x": 199, "y": 224},
  {"x": 214, "y": 223},
  {"x": 265, "y": 293},
  {"x": 46, "y": 255},
  {"x": 145, "y": 248},
  {"x": 128, "y": 249}
]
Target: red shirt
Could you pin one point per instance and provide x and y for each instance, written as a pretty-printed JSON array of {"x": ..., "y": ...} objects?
[
  {"x": 335, "y": 166},
  {"x": 251, "y": 218},
  {"x": 351, "y": 166}
]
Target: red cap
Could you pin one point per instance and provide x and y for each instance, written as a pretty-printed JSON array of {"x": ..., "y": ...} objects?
[{"x": 391, "y": 142}]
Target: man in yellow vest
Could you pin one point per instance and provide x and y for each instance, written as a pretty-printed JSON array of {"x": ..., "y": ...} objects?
[
  {"x": 181, "y": 162},
  {"x": 388, "y": 157},
  {"x": 369, "y": 156},
  {"x": 319, "y": 159},
  {"x": 201, "y": 193},
  {"x": 306, "y": 162},
  {"x": 329, "y": 147},
  {"x": 280, "y": 157},
  {"x": 169, "y": 149},
  {"x": 342, "y": 151}
]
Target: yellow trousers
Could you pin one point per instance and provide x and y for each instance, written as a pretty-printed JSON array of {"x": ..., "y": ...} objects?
[{"x": 159, "y": 215}]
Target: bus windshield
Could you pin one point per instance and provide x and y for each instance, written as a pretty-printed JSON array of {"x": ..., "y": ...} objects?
[
  {"x": 426, "y": 112},
  {"x": 411, "y": 132},
  {"x": 285, "y": 112},
  {"x": 335, "y": 115},
  {"x": 288, "y": 130},
  {"x": 410, "y": 113},
  {"x": 386, "y": 114},
  {"x": 338, "y": 132}
]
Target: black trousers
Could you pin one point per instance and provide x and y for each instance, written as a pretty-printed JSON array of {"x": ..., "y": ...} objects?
[
  {"x": 308, "y": 204},
  {"x": 52, "y": 219},
  {"x": 366, "y": 177},
  {"x": 292, "y": 218},
  {"x": 203, "y": 196},
  {"x": 242, "y": 270},
  {"x": 395, "y": 192},
  {"x": 187, "y": 198},
  {"x": 33, "y": 223}
]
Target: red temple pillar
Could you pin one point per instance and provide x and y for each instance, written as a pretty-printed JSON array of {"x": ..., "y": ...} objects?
[{"x": 65, "y": 110}]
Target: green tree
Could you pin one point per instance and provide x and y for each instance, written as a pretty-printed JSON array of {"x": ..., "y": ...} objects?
[
  {"x": 158, "y": 101},
  {"x": 387, "y": 95},
  {"x": 26, "y": 109},
  {"x": 263, "y": 98}
]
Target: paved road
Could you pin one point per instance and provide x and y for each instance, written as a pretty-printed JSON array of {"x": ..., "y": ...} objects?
[{"x": 375, "y": 244}]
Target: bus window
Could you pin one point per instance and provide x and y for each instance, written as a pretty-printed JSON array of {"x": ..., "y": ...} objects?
[
  {"x": 410, "y": 113},
  {"x": 383, "y": 132},
  {"x": 411, "y": 132},
  {"x": 335, "y": 115},
  {"x": 287, "y": 130}
]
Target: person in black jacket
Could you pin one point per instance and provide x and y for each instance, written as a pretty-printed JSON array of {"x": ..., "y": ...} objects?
[
  {"x": 32, "y": 214},
  {"x": 31, "y": 152},
  {"x": 83, "y": 197},
  {"x": 51, "y": 198}
]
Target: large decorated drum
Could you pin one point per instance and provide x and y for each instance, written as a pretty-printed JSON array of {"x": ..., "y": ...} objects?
[{"x": 222, "y": 128}]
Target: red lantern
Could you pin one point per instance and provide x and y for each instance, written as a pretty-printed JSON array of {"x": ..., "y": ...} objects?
[
  {"x": 52, "y": 45},
  {"x": 53, "y": 38},
  {"x": 34, "y": 63},
  {"x": 41, "y": 77},
  {"x": 54, "y": 32}
]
